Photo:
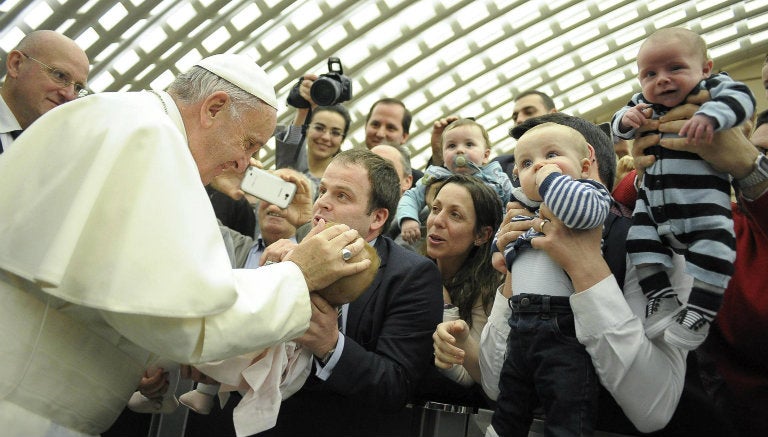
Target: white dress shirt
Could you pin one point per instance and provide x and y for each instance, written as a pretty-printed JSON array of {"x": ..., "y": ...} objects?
[
  {"x": 645, "y": 377},
  {"x": 8, "y": 124}
]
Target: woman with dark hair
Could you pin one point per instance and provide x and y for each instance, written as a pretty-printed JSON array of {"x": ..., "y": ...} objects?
[
  {"x": 325, "y": 133},
  {"x": 464, "y": 217}
]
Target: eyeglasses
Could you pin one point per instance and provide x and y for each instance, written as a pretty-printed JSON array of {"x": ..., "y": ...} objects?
[
  {"x": 61, "y": 77},
  {"x": 321, "y": 129}
]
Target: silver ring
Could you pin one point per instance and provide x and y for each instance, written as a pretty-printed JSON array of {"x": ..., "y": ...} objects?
[
  {"x": 346, "y": 254},
  {"x": 269, "y": 262},
  {"x": 541, "y": 225}
]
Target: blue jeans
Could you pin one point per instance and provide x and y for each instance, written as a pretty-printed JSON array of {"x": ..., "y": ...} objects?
[{"x": 545, "y": 366}]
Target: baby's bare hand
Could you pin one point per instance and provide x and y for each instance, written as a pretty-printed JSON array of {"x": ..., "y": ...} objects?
[
  {"x": 699, "y": 130},
  {"x": 411, "y": 231},
  {"x": 635, "y": 117}
]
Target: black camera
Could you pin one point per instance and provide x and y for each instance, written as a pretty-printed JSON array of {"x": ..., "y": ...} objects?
[{"x": 329, "y": 89}]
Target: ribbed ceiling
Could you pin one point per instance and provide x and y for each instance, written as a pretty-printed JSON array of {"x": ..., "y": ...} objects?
[{"x": 469, "y": 58}]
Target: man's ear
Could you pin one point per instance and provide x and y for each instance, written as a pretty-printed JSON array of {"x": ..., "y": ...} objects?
[
  {"x": 212, "y": 107},
  {"x": 380, "y": 216},
  {"x": 13, "y": 61},
  {"x": 405, "y": 138},
  {"x": 408, "y": 180},
  {"x": 586, "y": 163}
]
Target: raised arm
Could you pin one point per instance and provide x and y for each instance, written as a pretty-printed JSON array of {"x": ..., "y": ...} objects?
[{"x": 580, "y": 204}]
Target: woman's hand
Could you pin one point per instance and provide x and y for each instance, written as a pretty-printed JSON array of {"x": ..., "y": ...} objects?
[
  {"x": 448, "y": 342},
  {"x": 306, "y": 86}
]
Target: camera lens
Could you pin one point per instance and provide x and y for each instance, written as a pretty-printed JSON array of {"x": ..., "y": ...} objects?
[{"x": 325, "y": 91}]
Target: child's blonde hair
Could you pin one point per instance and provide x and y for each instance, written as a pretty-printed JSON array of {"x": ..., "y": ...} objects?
[
  {"x": 466, "y": 122},
  {"x": 578, "y": 142}
]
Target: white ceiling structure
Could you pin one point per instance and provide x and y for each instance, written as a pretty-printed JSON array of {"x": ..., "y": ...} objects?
[{"x": 469, "y": 58}]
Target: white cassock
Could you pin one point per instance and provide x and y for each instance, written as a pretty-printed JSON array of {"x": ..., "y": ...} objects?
[{"x": 110, "y": 255}]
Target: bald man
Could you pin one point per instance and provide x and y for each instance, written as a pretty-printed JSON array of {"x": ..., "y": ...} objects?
[
  {"x": 45, "y": 70},
  {"x": 400, "y": 160}
]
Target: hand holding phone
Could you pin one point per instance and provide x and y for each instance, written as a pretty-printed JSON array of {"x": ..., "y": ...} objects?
[{"x": 268, "y": 187}]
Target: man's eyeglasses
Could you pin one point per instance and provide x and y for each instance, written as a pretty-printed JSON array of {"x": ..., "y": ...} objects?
[
  {"x": 61, "y": 77},
  {"x": 321, "y": 129}
]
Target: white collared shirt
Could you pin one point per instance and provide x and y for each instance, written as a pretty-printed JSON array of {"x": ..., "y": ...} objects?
[{"x": 8, "y": 124}]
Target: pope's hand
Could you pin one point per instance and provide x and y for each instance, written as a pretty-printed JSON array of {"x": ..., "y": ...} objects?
[
  {"x": 154, "y": 383},
  {"x": 319, "y": 255}
]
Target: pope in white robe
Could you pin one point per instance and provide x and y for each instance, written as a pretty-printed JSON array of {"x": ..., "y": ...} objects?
[{"x": 110, "y": 253}]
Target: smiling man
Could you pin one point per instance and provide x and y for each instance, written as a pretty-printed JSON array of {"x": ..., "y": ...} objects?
[
  {"x": 110, "y": 253},
  {"x": 45, "y": 70},
  {"x": 388, "y": 122}
]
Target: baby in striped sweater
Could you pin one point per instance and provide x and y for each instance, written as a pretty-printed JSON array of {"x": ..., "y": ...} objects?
[{"x": 683, "y": 204}]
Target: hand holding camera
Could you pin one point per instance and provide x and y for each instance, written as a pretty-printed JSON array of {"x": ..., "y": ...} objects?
[
  {"x": 327, "y": 89},
  {"x": 299, "y": 94}
]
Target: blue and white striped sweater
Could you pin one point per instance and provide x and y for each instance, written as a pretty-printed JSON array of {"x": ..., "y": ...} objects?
[{"x": 578, "y": 203}]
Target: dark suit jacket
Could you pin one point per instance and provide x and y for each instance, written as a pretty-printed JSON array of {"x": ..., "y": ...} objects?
[
  {"x": 234, "y": 214},
  {"x": 387, "y": 350}
]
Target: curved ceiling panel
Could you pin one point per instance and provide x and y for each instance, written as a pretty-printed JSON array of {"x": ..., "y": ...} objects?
[{"x": 463, "y": 57}]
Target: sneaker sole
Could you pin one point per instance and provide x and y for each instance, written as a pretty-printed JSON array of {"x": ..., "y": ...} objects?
[
  {"x": 656, "y": 329},
  {"x": 684, "y": 343}
]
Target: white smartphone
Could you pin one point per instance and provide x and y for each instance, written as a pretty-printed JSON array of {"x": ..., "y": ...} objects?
[{"x": 268, "y": 187}]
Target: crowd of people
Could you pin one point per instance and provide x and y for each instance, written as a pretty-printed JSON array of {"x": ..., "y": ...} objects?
[{"x": 517, "y": 284}]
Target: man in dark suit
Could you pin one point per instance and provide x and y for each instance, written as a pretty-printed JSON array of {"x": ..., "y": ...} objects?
[{"x": 365, "y": 370}]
